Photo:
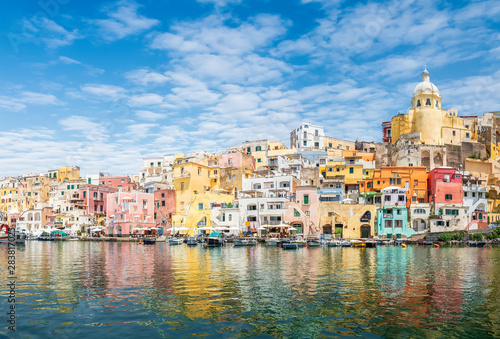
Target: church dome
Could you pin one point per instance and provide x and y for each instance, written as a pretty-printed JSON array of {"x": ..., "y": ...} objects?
[{"x": 426, "y": 86}]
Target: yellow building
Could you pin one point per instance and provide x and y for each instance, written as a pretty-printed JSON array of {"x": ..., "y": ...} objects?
[
  {"x": 8, "y": 199},
  {"x": 69, "y": 172},
  {"x": 197, "y": 184},
  {"x": 426, "y": 116},
  {"x": 350, "y": 221}
]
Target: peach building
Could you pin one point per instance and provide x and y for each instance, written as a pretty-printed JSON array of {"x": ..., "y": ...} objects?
[{"x": 129, "y": 213}]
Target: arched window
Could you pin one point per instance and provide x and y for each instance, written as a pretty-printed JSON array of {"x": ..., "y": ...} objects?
[
  {"x": 418, "y": 103},
  {"x": 437, "y": 104},
  {"x": 230, "y": 217},
  {"x": 428, "y": 102}
]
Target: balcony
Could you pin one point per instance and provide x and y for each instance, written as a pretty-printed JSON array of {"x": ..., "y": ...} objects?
[
  {"x": 182, "y": 175},
  {"x": 388, "y": 216}
]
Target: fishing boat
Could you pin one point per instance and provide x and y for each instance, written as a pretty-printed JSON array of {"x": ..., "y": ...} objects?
[
  {"x": 244, "y": 242},
  {"x": 371, "y": 243},
  {"x": 290, "y": 246},
  {"x": 175, "y": 241},
  {"x": 272, "y": 242},
  {"x": 357, "y": 243},
  {"x": 20, "y": 238},
  {"x": 335, "y": 243},
  {"x": 215, "y": 239},
  {"x": 313, "y": 241},
  {"x": 192, "y": 241},
  {"x": 149, "y": 241}
]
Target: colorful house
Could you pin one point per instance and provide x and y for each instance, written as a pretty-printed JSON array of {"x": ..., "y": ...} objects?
[
  {"x": 392, "y": 218},
  {"x": 130, "y": 213},
  {"x": 445, "y": 186}
]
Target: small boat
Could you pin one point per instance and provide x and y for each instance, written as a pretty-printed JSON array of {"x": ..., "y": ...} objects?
[
  {"x": 428, "y": 243},
  {"x": 19, "y": 238},
  {"x": 215, "y": 239},
  {"x": 290, "y": 246},
  {"x": 403, "y": 245},
  {"x": 335, "y": 243},
  {"x": 370, "y": 243},
  {"x": 357, "y": 243},
  {"x": 436, "y": 245},
  {"x": 313, "y": 241},
  {"x": 175, "y": 241},
  {"x": 477, "y": 243},
  {"x": 244, "y": 242},
  {"x": 149, "y": 241},
  {"x": 299, "y": 242},
  {"x": 161, "y": 238},
  {"x": 272, "y": 242},
  {"x": 346, "y": 243},
  {"x": 192, "y": 241}
]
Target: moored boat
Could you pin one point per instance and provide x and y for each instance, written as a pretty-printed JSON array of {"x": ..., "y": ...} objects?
[
  {"x": 272, "y": 242},
  {"x": 335, "y": 243},
  {"x": 20, "y": 238},
  {"x": 215, "y": 239},
  {"x": 357, "y": 243},
  {"x": 175, "y": 241},
  {"x": 290, "y": 245},
  {"x": 370, "y": 243},
  {"x": 149, "y": 241},
  {"x": 244, "y": 242},
  {"x": 313, "y": 241},
  {"x": 192, "y": 241}
]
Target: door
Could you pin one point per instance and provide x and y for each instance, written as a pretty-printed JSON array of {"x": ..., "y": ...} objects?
[{"x": 365, "y": 231}]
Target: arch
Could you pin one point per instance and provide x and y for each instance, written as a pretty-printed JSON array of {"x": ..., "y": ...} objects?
[
  {"x": 419, "y": 225},
  {"x": 30, "y": 216},
  {"x": 327, "y": 229},
  {"x": 428, "y": 102},
  {"x": 37, "y": 216},
  {"x": 3, "y": 201},
  {"x": 365, "y": 230},
  {"x": 118, "y": 230},
  {"x": 426, "y": 159},
  {"x": 438, "y": 159},
  {"x": 418, "y": 103}
]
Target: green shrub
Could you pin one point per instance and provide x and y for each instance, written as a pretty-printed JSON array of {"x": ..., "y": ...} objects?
[
  {"x": 445, "y": 237},
  {"x": 477, "y": 237}
]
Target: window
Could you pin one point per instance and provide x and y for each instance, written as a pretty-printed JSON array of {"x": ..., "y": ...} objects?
[
  {"x": 418, "y": 103},
  {"x": 306, "y": 199},
  {"x": 369, "y": 185},
  {"x": 159, "y": 164},
  {"x": 305, "y": 143},
  {"x": 387, "y": 198},
  {"x": 388, "y": 223},
  {"x": 421, "y": 201},
  {"x": 398, "y": 223},
  {"x": 330, "y": 145},
  {"x": 258, "y": 148},
  {"x": 229, "y": 217},
  {"x": 428, "y": 102},
  {"x": 448, "y": 197},
  {"x": 401, "y": 198},
  {"x": 398, "y": 212},
  {"x": 163, "y": 195},
  {"x": 437, "y": 103},
  {"x": 259, "y": 160},
  {"x": 307, "y": 213},
  {"x": 467, "y": 135},
  {"x": 152, "y": 164},
  {"x": 454, "y": 133},
  {"x": 200, "y": 206},
  {"x": 163, "y": 203},
  {"x": 199, "y": 171},
  {"x": 182, "y": 205},
  {"x": 351, "y": 169},
  {"x": 123, "y": 181},
  {"x": 451, "y": 212},
  {"x": 144, "y": 203},
  {"x": 102, "y": 196},
  {"x": 296, "y": 213},
  {"x": 182, "y": 186},
  {"x": 248, "y": 149}
]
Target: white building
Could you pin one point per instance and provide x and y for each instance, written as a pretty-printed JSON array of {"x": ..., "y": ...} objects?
[
  {"x": 307, "y": 137},
  {"x": 158, "y": 169}
]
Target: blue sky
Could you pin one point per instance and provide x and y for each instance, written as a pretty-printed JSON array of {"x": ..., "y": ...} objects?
[{"x": 102, "y": 84}]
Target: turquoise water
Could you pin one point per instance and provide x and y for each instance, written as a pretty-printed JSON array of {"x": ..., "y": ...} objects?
[{"x": 112, "y": 290}]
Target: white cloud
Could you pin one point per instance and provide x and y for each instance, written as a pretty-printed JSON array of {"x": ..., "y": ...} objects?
[
  {"x": 220, "y": 3},
  {"x": 124, "y": 21},
  {"x": 146, "y": 99},
  {"x": 68, "y": 61},
  {"x": 39, "y": 99},
  {"x": 49, "y": 32},
  {"x": 150, "y": 116},
  {"x": 146, "y": 77},
  {"x": 11, "y": 104},
  {"x": 107, "y": 92}
]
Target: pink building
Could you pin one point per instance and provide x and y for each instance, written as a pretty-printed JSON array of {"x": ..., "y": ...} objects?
[
  {"x": 120, "y": 183},
  {"x": 302, "y": 213},
  {"x": 93, "y": 198},
  {"x": 130, "y": 213},
  {"x": 236, "y": 160},
  {"x": 164, "y": 206},
  {"x": 445, "y": 186}
]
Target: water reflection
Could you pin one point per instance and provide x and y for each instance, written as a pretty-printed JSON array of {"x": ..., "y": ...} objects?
[{"x": 78, "y": 289}]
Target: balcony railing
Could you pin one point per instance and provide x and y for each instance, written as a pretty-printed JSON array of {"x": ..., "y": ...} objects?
[{"x": 182, "y": 175}]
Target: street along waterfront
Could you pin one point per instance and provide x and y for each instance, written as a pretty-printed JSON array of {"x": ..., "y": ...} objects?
[{"x": 81, "y": 289}]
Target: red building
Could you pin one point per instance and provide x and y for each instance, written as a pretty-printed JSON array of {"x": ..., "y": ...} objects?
[
  {"x": 164, "y": 206},
  {"x": 445, "y": 186},
  {"x": 119, "y": 183},
  {"x": 93, "y": 198},
  {"x": 386, "y": 131}
]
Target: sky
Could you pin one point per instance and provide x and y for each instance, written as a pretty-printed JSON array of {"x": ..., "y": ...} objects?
[{"x": 102, "y": 84}]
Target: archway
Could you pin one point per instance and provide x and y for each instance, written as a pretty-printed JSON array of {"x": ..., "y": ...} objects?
[
  {"x": 365, "y": 231},
  {"x": 438, "y": 159},
  {"x": 118, "y": 230},
  {"x": 419, "y": 225},
  {"x": 426, "y": 159}
]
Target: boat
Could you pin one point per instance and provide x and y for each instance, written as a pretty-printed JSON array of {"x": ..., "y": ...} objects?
[
  {"x": 20, "y": 238},
  {"x": 299, "y": 241},
  {"x": 192, "y": 241},
  {"x": 335, "y": 243},
  {"x": 215, "y": 239},
  {"x": 476, "y": 243},
  {"x": 313, "y": 241},
  {"x": 175, "y": 241},
  {"x": 370, "y": 243},
  {"x": 272, "y": 241},
  {"x": 161, "y": 238},
  {"x": 244, "y": 242},
  {"x": 149, "y": 241},
  {"x": 290, "y": 245},
  {"x": 403, "y": 245},
  {"x": 357, "y": 243},
  {"x": 346, "y": 243}
]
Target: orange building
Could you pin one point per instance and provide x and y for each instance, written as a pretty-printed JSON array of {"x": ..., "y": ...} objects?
[{"x": 414, "y": 179}]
